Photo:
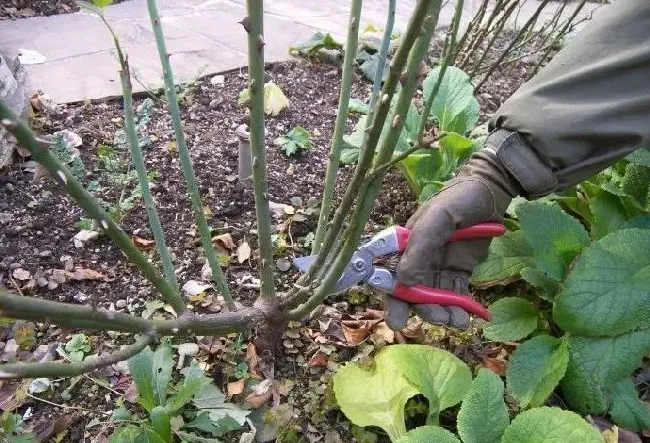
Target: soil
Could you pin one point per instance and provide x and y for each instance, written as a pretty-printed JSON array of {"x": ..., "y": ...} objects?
[
  {"x": 39, "y": 223},
  {"x": 14, "y": 9}
]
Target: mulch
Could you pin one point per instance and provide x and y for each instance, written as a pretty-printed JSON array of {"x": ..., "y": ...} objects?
[{"x": 15, "y": 9}]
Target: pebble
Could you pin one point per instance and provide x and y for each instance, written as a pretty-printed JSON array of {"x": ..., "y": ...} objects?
[
  {"x": 10, "y": 187},
  {"x": 45, "y": 253},
  {"x": 120, "y": 304},
  {"x": 215, "y": 103},
  {"x": 80, "y": 297},
  {"x": 15, "y": 266}
]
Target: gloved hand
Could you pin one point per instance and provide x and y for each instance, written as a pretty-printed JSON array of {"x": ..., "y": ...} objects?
[{"x": 481, "y": 192}]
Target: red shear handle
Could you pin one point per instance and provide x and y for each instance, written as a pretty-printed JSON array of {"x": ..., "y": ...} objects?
[
  {"x": 480, "y": 230},
  {"x": 424, "y": 295}
]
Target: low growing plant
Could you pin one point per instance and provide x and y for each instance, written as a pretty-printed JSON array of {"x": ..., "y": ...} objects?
[{"x": 295, "y": 141}]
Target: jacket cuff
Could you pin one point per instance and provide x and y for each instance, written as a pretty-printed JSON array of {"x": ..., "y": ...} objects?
[{"x": 519, "y": 159}]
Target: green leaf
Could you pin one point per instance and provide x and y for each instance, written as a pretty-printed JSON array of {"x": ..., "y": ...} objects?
[
  {"x": 126, "y": 434},
  {"x": 376, "y": 396},
  {"x": 555, "y": 237},
  {"x": 636, "y": 183},
  {"x": 640, "y": 157},
  {"x": 547, "y": 288},
  {"x": 454, "y": 107},
  {"x": 161, "y": 423},
  {"x": 162, "y": 363},
  {"x": 193, "y": 382},
  {"x": 508, "y": 255},
  {"x": 640, "y": 222},
  {"x": 203, "y": 423},
  {"x": 316, "y": 42},
  {"x": 274, "y": 99},
  {"x": 596, "y": 364},
  {"x": 626, "y": 409},
  {"x": 102, "y": 3},
  {"x": 550, "y": 425},
  {"x": 298, "y": 139},
  {"x": 513, "y": 318},
  {"x": 428, "y": 434},
  {"x": 149, "y": 436},
  {"x": 607, "y": 291},
  {"x": 224, "y": 415},
  {"x": 535, "y": 369},
  {"x": 608, "y": 213},
  {"x": 483, "y": 415},
  {"x": 193, "y": 438},
  {"x": 140, "y": 369},
  {"x": 358, "y": 106}
]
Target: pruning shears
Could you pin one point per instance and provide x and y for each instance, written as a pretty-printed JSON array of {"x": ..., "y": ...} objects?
[{"x": 393, "y": 240}]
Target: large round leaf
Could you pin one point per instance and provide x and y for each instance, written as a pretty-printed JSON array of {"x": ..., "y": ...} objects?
[
  {"x": 483, "y": 416},
  {"x": 550, "y": 425},
  {"x": 607, "y": 291},
  {"x": 513, "y": 318},
  {"x": 429, "y": 434}
]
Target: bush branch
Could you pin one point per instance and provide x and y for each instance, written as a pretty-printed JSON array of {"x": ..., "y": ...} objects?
[
  {"x": 54, "y": 370},
  {"x": 186, "y": 160}
]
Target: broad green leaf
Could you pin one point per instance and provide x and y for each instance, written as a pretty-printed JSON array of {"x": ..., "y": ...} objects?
[
  {"x": 640, "y": 222},
  {"x": 222, "y": 413},
  {"x": 607, "y": 291},
  {"x": 608, "y": 213},
  {"x": 429, "y": 191},
  {"x": 369, "y": 66},
  {"x": 274, "y": 99},
  {"x": 102, "y": 3},
  {"x": 193, "y": 438},
  {"x": 126, "y": 434},
  {"x": 636, "y": 183},
  {"x": 596, "y": 364},
  {"x": 640, "y": 157},
  {"x": 203, "y": 422},
  {"x": 149, "y": 436},
  {"x": 550, "y": 425},
  {"x": 547, "y": 288},
  {"x": 428, "y": 434},
  {"x": 140, "y": 369},
  {"x": 298, "y": 139},
  {"x": 535, "y": 369},
  {"x": 513, "y": 318},
  {"x": 627, "y": 410},
  {"x": 192, "y": 383},
  {"x": 349, "y": 156},
  {"x": 358, "y": 106},
  {"x": 555, "y": 237},
  {"x": 454, "y": 107},
  {"x": 439, "y": 375},
  {"x": 483, "y": 415},
  {"x": 160, "y": 418},
  {"x": 508, "y": 255},
  {"x": 162, "y": 363},
  {"x": 314, "y": 43},
  {"x": 376, "y": 396}
]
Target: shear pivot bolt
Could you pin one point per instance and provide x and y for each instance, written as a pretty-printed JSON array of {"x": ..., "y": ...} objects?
[{"x": 359, "y": 264}]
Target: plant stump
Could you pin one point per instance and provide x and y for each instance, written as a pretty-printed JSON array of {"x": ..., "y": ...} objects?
[{"x": 245, "y": 163}]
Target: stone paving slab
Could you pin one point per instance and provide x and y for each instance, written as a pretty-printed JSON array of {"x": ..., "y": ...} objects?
[{"x": 203, "y": 37}]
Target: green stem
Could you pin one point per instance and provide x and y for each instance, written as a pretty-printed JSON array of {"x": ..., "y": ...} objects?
[
  {"x": 366, "y": 155},
  {"x": 54, "y": 370},
  {"x": 367, "y": 198},
  {"x": 61, "y": 174},
  {"x": 186, "y": 160},
  {"x": 254, "y": 26},
  {"x": 141, "y": 170},
  {"x": 458, "y": 12},
  {"x": 340, "y": 123},
  {"x": 89, "y": 318}
]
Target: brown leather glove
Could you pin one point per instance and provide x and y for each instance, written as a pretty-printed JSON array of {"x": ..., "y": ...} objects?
[{"x": 481, "y": 192}]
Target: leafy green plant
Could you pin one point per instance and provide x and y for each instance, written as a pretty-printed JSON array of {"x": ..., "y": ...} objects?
[
  {"x": 67, "y": 154},
  {"x": 11, "y": 429},
  {"x": 77, "y": 347},
  {"x": 294, "y": 141},
  {"x": 315, "y": 43},
  {"x": 583, "y": 252},
  {"x": 376, "y": 395},
  {"x": 192, "y": 404},
  {"x": 274, "y": 99}
]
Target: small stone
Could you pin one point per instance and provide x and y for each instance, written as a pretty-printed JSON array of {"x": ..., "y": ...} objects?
[
  {"x": 218, "y": 80},
  {"x": 80, "y": 297},
  {"x": 45, "y": 253},
  {"x": 214, "y": 104},
  {"x": 120, "y": 304},
  {"x": 10, "y": 187},
  {"x": 6, "y": 217},
  {"x": 41, "y": 282},
  {"x": 83, "y": 237}
]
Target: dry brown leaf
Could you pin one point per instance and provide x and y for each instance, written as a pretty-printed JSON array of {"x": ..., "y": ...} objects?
[
  {"x": 21, "y": 274},
  {"x": 13, "y": 394},
  {"x": 236, "y": 387},
  {"x": 413, "y": 330},
  {"x": 211, "y": 345},
  {"x": 58, "y": 276},
  {"x": 225, "y": 241},
  {"x": 85, "y": 274},
  {"x": 257, "y": 401},
  {"x": 143, "y": 244},
  {"x": 318, "y": 360},
  {"x": 495, "y": 365},
  {"x": 243, "y": 252},
  {"x": 253, "y": 361},
  {"x": 357, "y": 331},
  {"x": 384, "y": 332},
  {"x": 49, "y": 428}
]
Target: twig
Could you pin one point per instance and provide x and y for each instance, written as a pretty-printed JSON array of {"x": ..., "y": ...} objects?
[
  {"x": 254, "y": 26},
  {"x": 54, "y": 369},
  {"x": 62, "y": 175},
  {"x": 336, "y": 143},
  {"x": 74, "y": 408},
  {"x": 186, "y": 160}
]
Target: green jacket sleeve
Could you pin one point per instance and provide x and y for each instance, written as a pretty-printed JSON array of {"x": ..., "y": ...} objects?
[{"x": 589, "y": 107}]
